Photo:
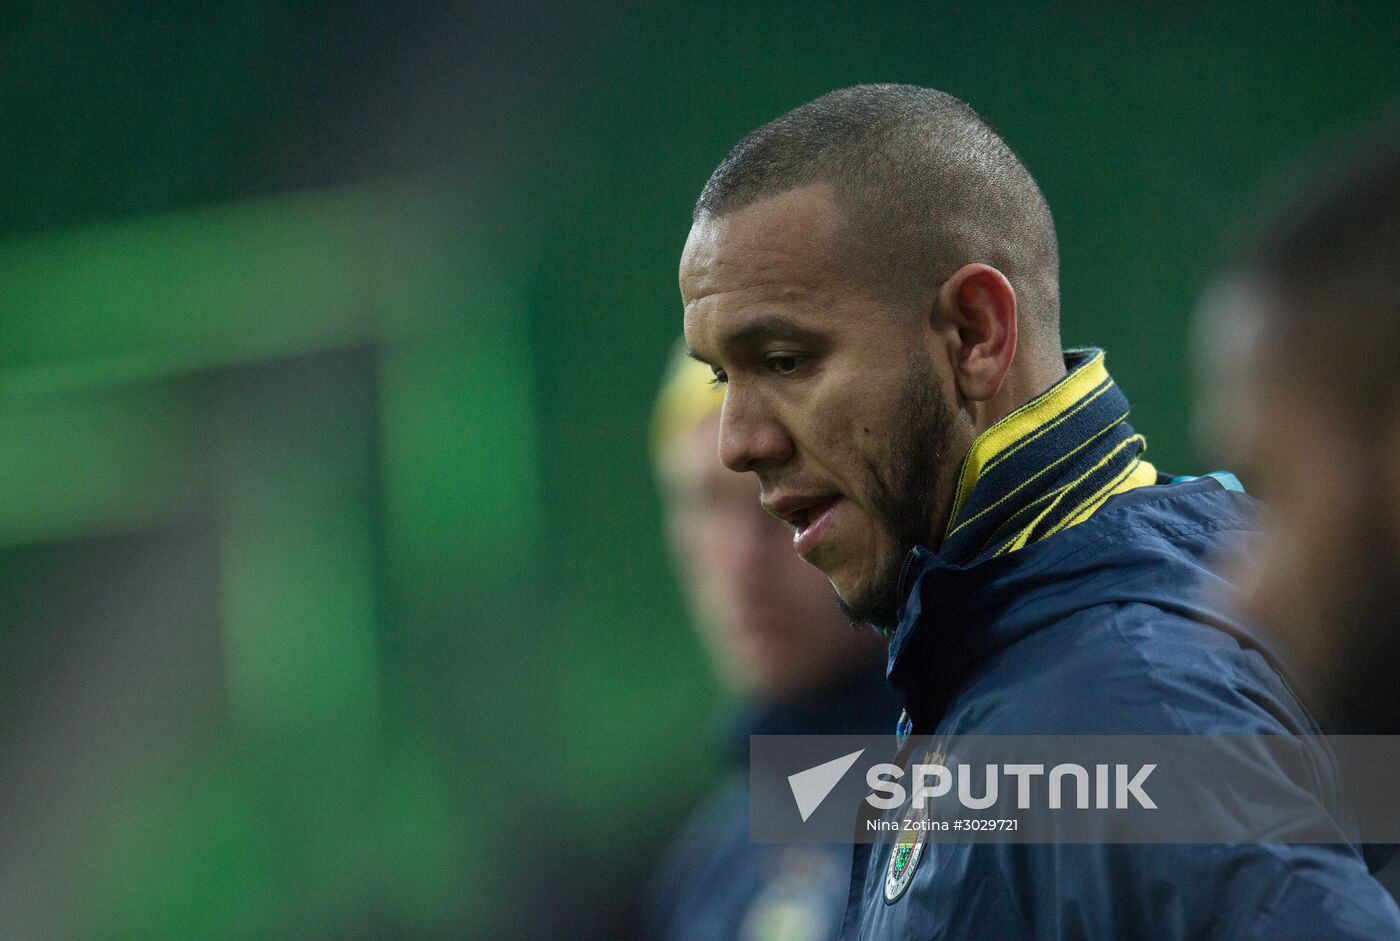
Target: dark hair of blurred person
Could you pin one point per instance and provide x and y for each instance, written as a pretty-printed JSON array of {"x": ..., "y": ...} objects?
[
  {"x": 779, "y": 644},
  {"x": 1302, "y": 347}
]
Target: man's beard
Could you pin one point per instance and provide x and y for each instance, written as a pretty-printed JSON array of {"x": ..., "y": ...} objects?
[{"x": 903, "y": 489}]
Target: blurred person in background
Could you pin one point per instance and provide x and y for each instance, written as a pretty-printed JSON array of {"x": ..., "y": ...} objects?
[
  {"x": 793, "y": 664},
  {"x": 874, "y": 278},
  {"x": 1302, "y": 354}
]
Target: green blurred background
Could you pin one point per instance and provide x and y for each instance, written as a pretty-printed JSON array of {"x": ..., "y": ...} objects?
[{"x": 333, "y": 602}]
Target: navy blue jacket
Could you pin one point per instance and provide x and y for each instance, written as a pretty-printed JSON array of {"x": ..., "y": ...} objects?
[{"x": 1108, "y": 627}]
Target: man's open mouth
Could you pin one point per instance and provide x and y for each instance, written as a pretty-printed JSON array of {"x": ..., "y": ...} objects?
[
  {"x": 801, "y": 512},
  {"x": 808, "y": 515}
]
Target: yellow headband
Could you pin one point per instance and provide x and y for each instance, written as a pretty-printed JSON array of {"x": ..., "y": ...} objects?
[{"x": 687, "y": 397}]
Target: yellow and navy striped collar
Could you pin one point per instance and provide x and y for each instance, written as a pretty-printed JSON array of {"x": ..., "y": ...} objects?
[{"x": 1046, "y": 466}]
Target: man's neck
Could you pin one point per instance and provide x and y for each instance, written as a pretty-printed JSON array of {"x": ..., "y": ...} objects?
[
  {"x": 1024, "y": 381},
  {"x": 1021, "y": 386},
  {"x": 1046, "y": 464}
]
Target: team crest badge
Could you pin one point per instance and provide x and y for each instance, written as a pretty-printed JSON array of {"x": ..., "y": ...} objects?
[
  {"x": 905, "y": 857},
  {"x": 913, "y": 834}
]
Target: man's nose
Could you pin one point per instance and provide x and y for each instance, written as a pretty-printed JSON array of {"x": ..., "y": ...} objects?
[{"x": 750, "y": 437}]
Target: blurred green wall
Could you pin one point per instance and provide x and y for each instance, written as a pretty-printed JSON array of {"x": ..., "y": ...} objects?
[{"x": 338, "y": 325}]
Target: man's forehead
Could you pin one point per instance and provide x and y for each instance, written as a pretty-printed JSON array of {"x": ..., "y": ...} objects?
[
  {"x": 773, "y": 253},
  {"x": 794, "y": 229}
]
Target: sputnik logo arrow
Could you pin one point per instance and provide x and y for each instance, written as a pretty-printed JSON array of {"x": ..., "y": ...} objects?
[{"x": 811, "y": 787}]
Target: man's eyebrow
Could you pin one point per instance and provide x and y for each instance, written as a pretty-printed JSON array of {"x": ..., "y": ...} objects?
[{"x": 766, "y": 327}]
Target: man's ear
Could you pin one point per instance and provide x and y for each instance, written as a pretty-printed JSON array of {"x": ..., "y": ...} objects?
[{"x": 980, "y": 304}]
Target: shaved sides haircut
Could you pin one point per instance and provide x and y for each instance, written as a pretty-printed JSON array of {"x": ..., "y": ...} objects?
[{"x": 925, "y": 185}]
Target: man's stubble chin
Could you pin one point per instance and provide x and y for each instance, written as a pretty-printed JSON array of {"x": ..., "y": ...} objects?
[{"x": 903, "y": 486}]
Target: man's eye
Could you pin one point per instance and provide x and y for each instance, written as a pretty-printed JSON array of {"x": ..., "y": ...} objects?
[
  {"x": 718, "y": 379},
  {"x": 783, "y": 363}
]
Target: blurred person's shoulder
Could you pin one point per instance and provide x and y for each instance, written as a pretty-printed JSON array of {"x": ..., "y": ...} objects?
[{"x": 706, "y": 845}]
